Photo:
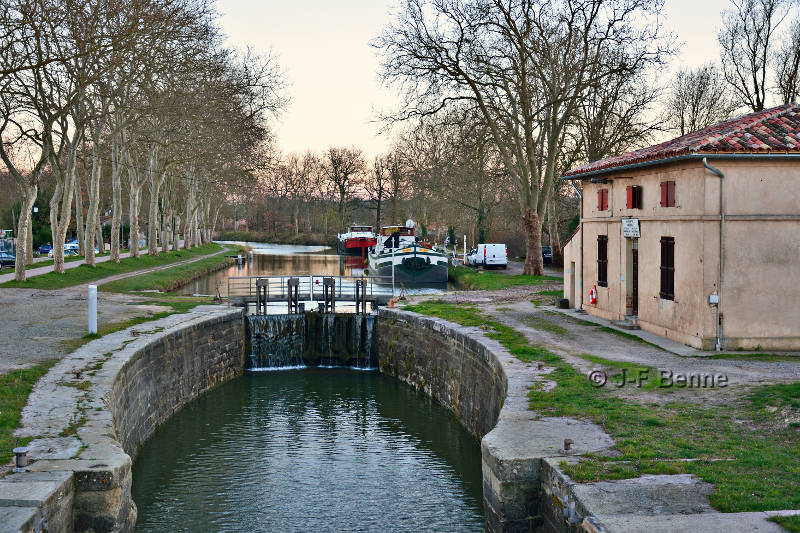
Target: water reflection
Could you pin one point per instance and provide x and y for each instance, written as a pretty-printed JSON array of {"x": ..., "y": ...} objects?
[
  {"x": 313, "y": 450},
  {"x": 287, "y": 260}
]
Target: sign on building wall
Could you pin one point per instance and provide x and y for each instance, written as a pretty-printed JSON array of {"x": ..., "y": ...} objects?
[{"x": 630, "y": 228}]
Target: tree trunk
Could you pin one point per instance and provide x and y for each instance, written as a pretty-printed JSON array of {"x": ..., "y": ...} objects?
[
  {"x": 133, "y": 217},
  {"x": 533, "y": 243},
  {"x": 176, "y": 224},
  {"x": 555, "y": 238},
  {"x": 79, "y": 217},
  {"x": 116, "y": 200},
  {"x": 23, "y": 230},
  {"x": 92, "y": 213},
  {"x": 29, "y": 243},
  {"x": 62, "y": 222},
  {"x": 152, "y": 219}
]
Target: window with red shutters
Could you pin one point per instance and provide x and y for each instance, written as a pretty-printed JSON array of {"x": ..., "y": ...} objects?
[
  {"x": 667, "y": 194},
  {"x": 634, "y": 196},
  {"x": 602, "y": 200}
]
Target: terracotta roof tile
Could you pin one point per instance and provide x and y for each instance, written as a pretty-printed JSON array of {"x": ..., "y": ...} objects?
[{"x": 771, "y": 130}]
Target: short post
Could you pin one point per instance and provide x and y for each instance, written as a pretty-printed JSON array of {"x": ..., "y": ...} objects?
[
  {"x": 92, "y": 309},
  {"x": 292, "y": 286},
  {"x": 361, "y": 295},
  {"x": 329, "y": 294},
  {"x": 465, "y": 249},
  {"x": 261, "y": 296},
  {"x": 20, "y": 459},
  {"x": 393, "y": 249}
]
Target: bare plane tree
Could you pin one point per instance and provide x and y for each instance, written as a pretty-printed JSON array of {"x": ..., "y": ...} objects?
[
  {"x": 788, "y": 65},
  {"x": 698, "y": 98},
  {"x": 524, "y": 66},
  {"x": 747, "y": 40}
]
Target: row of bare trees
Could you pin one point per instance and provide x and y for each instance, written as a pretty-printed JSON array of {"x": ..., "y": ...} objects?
[{"x": 103, "y": 93}]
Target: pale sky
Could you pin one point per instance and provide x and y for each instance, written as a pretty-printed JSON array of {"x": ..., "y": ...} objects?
[{"x": 323, "y": 46}]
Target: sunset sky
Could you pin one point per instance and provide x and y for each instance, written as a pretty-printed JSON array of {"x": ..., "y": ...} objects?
[{"x": 323, "y": 47}]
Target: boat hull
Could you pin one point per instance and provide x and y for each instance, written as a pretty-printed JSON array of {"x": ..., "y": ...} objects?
[
  {"x": 356, "y": 246},
  {"x": 410, "y": 270}
]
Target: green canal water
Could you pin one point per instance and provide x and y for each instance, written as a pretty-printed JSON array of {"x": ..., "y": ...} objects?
[{"x": 310, "y": 450}]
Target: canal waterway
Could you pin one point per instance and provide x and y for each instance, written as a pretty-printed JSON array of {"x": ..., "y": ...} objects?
[
  {"x": 286, "y": 260},
  {"x": 310, "y": 450}
]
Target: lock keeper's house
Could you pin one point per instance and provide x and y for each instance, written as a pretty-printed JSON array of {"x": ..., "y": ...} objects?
[{"x": 655, "y": 223}]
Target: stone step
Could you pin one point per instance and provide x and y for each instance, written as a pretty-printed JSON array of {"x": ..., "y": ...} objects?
[
  {"x": 625, "y": 324},
  {"x": 696, "y": 523}
]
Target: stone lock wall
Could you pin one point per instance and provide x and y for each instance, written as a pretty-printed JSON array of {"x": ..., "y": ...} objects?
[
  {"x": 89, "y": 415},
  {"x": 448, "y": 365},
  {"x": 168, "y": 373}
]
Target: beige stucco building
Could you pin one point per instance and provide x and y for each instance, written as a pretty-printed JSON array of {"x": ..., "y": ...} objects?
[{"x": 743, "y": 207}]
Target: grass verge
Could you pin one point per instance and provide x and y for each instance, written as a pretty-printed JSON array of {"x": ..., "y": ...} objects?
[
  {"x": 171, "y": 278},
  {"x": 15, "y": 386},
  {"x": 86, "y": 273},
  {"x": 747, "y": 449},
  {"x": 472, "y": 279},
  {"x": 789, "y": 523}
]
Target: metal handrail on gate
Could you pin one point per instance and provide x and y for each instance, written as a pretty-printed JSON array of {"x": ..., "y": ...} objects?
[{"x": 310, "y": 286}]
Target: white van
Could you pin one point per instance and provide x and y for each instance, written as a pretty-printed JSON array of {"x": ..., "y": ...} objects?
[{"x": 492, "y": 255}]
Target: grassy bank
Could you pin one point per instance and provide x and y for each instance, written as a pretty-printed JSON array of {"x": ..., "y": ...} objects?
[
  {"x": 171, "y": 278},
  {"x": 15, "y": 387},
  {"x": 747, "y": 449},
  {"x": 318, "y": 239},
  {"x": 472, "y": 279},
  {"x": 87, "y": 274}
]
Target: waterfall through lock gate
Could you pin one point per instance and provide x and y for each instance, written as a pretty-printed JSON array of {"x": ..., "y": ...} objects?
[{"x": 310, "y": 339}]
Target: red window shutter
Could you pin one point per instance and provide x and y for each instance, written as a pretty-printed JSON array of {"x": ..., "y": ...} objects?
[
  {"x": 664, "y": 201},
  {"x": 600, "y": 200},
  {"x": 629, "y": 193},
  {"x": 671, "y": 193}
]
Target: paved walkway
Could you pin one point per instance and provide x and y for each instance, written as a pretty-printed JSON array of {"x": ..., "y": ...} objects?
[
  {"x": 72, "y": 264},
  {"x": 570, "y": 339},
  {"x": 35, "y": 324}
]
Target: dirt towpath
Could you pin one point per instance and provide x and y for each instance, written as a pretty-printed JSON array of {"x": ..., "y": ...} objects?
[{"x": 35, "y": 324}]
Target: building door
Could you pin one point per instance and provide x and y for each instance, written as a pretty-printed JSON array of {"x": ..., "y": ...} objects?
[{"x": 635, "y": 282}]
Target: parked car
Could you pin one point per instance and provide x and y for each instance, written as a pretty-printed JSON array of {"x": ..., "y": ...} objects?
[
  {"x": 45, "y": 248},
  {"x": 7, "y": 260},
  {"x": 492, "y": 255},
  {"x": 67, "y": 252},
  {"x": 547, "y": 255},
  {"x": 471, "y": 255}
]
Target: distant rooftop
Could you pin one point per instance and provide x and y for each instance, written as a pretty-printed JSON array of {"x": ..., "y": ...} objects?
[{"x": 775, "y": 130}]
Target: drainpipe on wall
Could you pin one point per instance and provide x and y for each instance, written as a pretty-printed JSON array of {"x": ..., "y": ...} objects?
[
  {"x": 580, "y": 218},
  {"x": 721, "y": 249}
]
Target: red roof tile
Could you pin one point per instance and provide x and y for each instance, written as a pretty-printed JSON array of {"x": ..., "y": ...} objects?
[{"x": 771, "y": 130}]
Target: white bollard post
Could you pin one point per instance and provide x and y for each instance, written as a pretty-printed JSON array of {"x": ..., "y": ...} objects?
[
  {"x": 92, "y": 309},
  {"x": 465, "y": 249}
]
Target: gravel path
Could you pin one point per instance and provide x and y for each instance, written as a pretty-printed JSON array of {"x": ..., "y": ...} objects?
[
  {"x": 569, "y": 338},
  {"x": 72, "y": 264},
  {"x": 34, "y": 324}
]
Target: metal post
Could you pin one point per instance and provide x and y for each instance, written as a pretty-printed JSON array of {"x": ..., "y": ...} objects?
[
  {"x": 465, "y": 249},
  {"x": 92, "y": 309},
  {"x": 329, "y": 294},
  {"x": 261, "y": 296},
  {"x": 393, "y": 249},
  {"x": 292, "y": 286}
]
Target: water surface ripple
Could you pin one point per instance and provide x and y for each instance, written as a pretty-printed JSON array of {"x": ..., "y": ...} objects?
[{"x": 310, "y": 450}]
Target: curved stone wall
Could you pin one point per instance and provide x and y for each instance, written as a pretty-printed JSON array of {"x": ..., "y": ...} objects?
[
  {"x": 91, "y": 412},
  {"x": 449, "y": 363},
  {"x": 487, "y": 389}
]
